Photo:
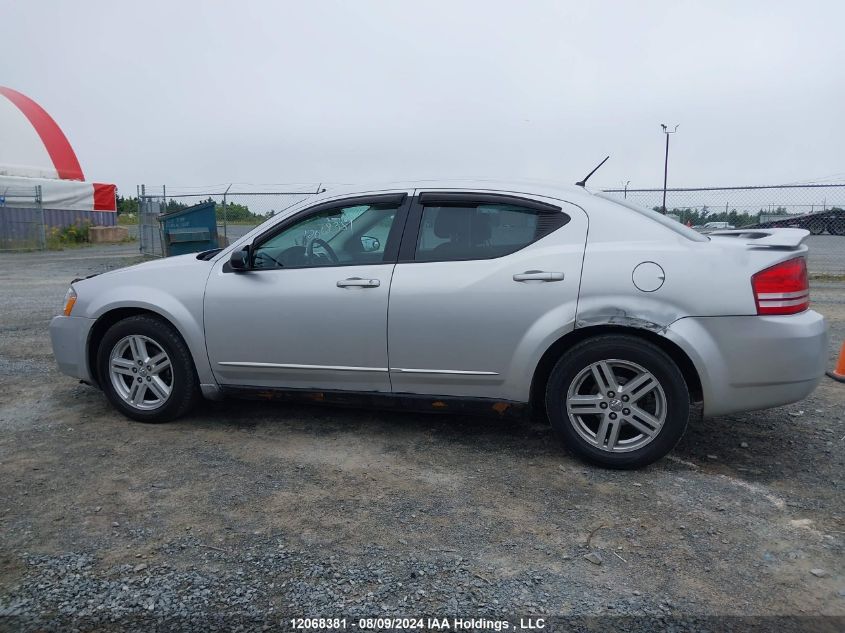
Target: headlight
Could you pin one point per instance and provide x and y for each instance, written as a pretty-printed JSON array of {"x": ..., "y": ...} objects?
[{"x": 70, "y": 299}]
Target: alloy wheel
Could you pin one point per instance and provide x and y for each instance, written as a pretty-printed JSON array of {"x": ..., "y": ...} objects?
[
  {"x": 140, "y": 372},
  {"x": 616, "y": 405}
]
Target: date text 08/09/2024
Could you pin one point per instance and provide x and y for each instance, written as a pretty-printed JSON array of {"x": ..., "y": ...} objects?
[{"x": 422, "y": 623}]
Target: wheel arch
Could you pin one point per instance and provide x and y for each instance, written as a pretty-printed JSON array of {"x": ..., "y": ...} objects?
[
  {"x": 108, "y": 319},
  {"x": 553, "y": 353}
]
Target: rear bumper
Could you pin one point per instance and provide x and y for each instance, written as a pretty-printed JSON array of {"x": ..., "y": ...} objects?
[
  {"x": 754, "y": 362},
  {"x": 69, "y": 336}
]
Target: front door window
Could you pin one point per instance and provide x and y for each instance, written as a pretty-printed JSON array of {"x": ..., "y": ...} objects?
[{"x": 345, "y": 236}]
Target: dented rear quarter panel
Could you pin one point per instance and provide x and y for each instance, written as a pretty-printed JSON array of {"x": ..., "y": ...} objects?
[
  {"x": 705, "y": 306},
  {"x": 711, "y": 278}
]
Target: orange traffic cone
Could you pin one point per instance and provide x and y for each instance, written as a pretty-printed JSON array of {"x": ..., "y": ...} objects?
[{"x": 839, "y": 372}]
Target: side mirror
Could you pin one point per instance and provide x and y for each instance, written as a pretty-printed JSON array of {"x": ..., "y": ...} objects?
[
  {"x": 369, "y": 244},
  {"x": 240, "y": 259}
]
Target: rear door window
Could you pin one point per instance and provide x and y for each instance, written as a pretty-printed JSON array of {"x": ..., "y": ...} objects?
[{"x": 484, "y": 231}]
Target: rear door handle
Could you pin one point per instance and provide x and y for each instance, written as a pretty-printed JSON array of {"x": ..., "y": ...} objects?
[
  {"x": 357, "y": 282},
  {"x": 538, "y": 275}
]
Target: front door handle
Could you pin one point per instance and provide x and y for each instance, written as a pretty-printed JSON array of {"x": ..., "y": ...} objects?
[
  {"x": 538, "y": 275},
  {"x": 357, "y": 282}
]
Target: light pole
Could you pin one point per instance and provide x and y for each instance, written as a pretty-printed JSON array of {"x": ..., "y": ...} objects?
[
  {"x": 666, "y": 162},
  {"x": 625, "y": 188}
]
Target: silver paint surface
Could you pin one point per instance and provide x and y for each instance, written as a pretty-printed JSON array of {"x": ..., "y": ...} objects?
[{"x": 467, "y": 328}]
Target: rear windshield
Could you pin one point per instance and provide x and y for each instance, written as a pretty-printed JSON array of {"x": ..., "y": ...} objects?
[{"x": 669, "y": 223}]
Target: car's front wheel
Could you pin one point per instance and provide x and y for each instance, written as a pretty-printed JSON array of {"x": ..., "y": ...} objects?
[
  {"x": 618, "y": 401},
  {"x": 146, "y": 370}
]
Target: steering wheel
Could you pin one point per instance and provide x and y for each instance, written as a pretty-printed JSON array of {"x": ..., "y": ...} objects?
[
  {"x": 309, "y": 252},
  {"x": 265, "y": 255}
]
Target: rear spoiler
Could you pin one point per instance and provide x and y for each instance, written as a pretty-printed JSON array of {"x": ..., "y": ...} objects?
[{"x": 787, "y": 239}]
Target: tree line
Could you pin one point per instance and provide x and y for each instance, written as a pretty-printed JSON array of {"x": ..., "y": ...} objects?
[
  {"x": 695, "y": 217},
  {"x": 234, "y": 212}
]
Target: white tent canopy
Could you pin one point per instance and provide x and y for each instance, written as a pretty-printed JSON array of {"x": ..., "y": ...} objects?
[
  {"x": 35, "y": 153},
  {"x": 56, "y": 194}
]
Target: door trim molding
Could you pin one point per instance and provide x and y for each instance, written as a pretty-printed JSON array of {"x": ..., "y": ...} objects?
[
  {"x": 399, "y": 370},
  {"x": 297, "y": 366},
  {"x": 455, "y": 372}
]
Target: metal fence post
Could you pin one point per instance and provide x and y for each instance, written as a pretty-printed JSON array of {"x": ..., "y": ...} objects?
[
  {"x": 142, "y": 219},
  {"x": 225, "y": 226},
  {"x": 162, "y": 209},
  {"x": 225, "y": 222},
  {"x": 39, "y": 218}
]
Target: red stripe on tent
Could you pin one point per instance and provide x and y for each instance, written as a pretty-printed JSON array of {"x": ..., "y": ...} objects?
[
  {"x": 104, "y": 197},
  {"x": 55, "y": 142}
]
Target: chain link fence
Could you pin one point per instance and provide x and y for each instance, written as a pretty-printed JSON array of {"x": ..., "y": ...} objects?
[
  {"x": 22, "y": 219},
  {"x": 150, "y": 237},
  {"x": 739, "y": 206},
  {"x": 819, "y": 208},
  {"x": 238, "y": 211}
]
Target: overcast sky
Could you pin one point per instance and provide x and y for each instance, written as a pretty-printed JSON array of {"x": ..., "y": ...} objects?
[{"x": 195, "y": 93}]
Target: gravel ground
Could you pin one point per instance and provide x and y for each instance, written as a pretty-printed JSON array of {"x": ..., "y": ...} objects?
[{"x": 245, "y": 514}]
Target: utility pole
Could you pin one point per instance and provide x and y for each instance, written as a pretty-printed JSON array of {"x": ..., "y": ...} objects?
[{"x": 666, "y": 162}]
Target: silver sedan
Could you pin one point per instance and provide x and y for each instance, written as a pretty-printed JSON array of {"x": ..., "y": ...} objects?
[{"x": 464, "y": 297}]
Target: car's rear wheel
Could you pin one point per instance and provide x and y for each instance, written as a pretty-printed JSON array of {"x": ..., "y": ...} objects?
[
  {"x": 146, "y": 370},
  {"x": 836, "y": 226},
  {"x": 618, "y": 401},
  {"x": 817, "y": 226}
]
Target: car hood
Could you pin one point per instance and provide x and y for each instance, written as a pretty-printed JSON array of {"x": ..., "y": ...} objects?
[
  {"x": 156, "y": 267},
  {"x": 170, "y": 286}
]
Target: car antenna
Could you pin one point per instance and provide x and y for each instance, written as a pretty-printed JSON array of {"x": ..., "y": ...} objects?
[{"x": 583, "y": 182}]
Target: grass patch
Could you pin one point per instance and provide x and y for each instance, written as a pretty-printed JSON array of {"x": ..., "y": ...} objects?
[
  {"x": 826, "y": 277},
  {"x": 68, "y": 236},
  {"x": 75, "y": 236}
]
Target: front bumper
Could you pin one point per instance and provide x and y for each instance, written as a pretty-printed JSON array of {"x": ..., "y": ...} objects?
[
  {"x": 754, "y": 362},
  {"x": 69, "y": 336}
]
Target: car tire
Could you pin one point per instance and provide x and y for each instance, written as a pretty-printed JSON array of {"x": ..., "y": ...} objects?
[
  {"x": 162, "y": 387},
  {"x": 624, "y": 378},
  {"x": 836, "y": 226},
  {"x": 817, "y": 226}
]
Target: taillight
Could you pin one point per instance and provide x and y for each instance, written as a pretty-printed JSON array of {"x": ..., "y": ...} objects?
[{"x": 783, "y": 288}]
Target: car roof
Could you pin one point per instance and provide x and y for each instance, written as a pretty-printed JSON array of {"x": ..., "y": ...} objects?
[{"x": 557, "y": 191}]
